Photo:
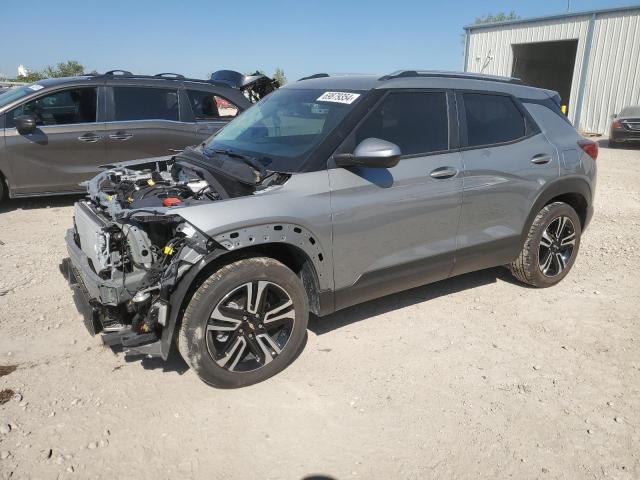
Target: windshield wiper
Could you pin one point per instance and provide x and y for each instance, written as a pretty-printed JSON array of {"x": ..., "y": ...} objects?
[{"x": 251, "y": 161}]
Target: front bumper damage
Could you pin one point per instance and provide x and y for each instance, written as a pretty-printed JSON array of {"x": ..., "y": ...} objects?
[
  {"x": 130, "y": 311},
  {"x": 130, "y": 250}
]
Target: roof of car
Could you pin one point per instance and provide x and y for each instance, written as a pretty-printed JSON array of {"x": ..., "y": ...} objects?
[{"x": 421, "y": 79}]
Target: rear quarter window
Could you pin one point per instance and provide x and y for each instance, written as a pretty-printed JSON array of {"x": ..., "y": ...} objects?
[{"x": 207, "y": 106}]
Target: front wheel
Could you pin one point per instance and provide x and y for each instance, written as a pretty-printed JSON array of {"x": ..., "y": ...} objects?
[
  {"x": 551, "y": 246},
  {"x": 245, "y": 323}
]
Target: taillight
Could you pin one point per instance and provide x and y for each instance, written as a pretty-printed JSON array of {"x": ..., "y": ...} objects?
[
  {"x": 617, "y": 124},
  {"x": 589, "y": 147}
]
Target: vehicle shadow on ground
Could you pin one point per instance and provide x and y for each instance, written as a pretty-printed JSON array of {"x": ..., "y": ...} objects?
[
  {"x": 407, "y": 298},
  {"x": 175, "y": 363},
  {"x": 357, "y": 313},
  {"x": 38, "y": 202}
]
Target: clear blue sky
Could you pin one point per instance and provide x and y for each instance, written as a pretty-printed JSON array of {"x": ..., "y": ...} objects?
[{"x": 196, "y": 37}]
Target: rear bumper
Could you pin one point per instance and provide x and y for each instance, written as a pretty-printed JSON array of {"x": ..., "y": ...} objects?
[{"x": 625, "y": 135}]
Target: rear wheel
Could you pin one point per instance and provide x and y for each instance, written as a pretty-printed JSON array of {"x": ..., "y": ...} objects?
[
  {"x": 245, "y": 323},
  {"x": 551, "y": 246}
]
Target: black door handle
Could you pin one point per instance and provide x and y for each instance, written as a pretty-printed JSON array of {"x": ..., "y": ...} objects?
[
  {"x": 89, "y": 137},
  {"x": 121, "y": 136}
]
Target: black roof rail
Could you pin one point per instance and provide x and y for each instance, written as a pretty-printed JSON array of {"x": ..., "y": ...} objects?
[
  {"x": 444, "y": 74},
  {"x": 315, "y": 75},
  {"x": 124, "y": 73},
  {"x": 159, "y": 76},
  {"x": 169, "y": 75}
]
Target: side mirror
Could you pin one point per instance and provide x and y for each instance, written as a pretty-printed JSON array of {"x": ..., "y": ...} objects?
[
  {"x": 25, "y": 124},
  {"x": 370, "y": 152}
]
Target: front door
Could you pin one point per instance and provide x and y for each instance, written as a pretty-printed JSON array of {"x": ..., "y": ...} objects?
[
  {"x": 396, "y": 228},
  {"x": 66, "y": 148},
  {"x": 145, "y": 122}
]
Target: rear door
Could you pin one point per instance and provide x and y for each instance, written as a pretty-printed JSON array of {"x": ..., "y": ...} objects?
[
  {"x": 144, "y": 122},
  {"x": 396, "y": 228},
  {"x": 211, "y": 112},
  {"x": 507, "y": 162},
  {"x": 67, "y": 147}
]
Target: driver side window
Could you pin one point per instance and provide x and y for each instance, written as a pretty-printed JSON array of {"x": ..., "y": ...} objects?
[
  {"x": 64, "y": 107},
  {"x": 415, "y": 121}
]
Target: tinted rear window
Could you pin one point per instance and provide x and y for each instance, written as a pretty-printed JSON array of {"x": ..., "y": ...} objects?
[
  {"x": 136, "y": 103},
  {"x": 492, "y": 119},
  {"x": 415, "y": 121}
]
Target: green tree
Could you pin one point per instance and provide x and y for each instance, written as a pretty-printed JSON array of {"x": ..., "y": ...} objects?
[
  {"x": 280, "y": 77},
  {"x": 500, "y": 17},
  {"x": 70, "y": 68}
]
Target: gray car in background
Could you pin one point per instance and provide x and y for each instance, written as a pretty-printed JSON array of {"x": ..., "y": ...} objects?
[
  {"x": 55, "y": 133},
  {"x": 625, "y": 127},
  {"x": 327, "y": 193}
]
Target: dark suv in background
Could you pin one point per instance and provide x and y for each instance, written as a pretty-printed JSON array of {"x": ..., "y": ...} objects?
[{"x": 57, "y": 132}]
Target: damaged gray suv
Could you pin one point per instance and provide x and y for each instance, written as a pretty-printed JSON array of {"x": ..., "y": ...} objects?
[{"x": 327, "y": 193}]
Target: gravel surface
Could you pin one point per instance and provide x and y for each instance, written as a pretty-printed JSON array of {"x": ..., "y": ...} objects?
[{"x": 476, "y": 376}]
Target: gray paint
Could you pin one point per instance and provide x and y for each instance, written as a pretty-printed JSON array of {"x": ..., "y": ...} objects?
[{"x": 380, "y": 230}]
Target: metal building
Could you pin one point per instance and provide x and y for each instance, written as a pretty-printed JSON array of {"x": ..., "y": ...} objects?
[{"x": 591, "y": 58}]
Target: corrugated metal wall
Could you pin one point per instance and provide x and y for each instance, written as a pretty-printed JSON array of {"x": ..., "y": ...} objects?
[
  {"x": 613, "y": 76},
  {"x": 612, "y": 79}
]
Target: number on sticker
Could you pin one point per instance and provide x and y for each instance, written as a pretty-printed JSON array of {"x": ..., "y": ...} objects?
[{"x": 338, "y": 97}]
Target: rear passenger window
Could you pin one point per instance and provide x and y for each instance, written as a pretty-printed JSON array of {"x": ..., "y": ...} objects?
[
  {"x": 492, "y": 119},
  {"x": 136, "y": 103},
  {"x": 207, "y": 106},
  {"x": 415, "y": 121}
]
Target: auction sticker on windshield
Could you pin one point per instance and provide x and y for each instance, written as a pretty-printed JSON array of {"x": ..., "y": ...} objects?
[{"x": 338, "y": 97}]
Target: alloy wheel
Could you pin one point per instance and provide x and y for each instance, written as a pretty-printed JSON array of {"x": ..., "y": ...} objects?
[
  {"x": 556, "y": 246},
  {"x": 250, "y": 326}
]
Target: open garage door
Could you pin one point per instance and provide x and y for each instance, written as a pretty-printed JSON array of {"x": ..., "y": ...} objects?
[{"x": 546, "y": 65}]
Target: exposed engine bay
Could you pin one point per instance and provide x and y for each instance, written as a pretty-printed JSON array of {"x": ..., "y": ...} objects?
[{"x": 130, "y": 239}]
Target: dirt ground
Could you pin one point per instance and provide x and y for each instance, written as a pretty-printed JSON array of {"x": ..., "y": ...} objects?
[{"x": 473, "y": 377}]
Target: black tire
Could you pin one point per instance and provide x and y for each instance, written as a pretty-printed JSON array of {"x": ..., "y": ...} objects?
[
  {"x": 3, "y": 189},
  {"x": 528, "y": 267},
  {"x": 202, "y": 349},
  {"x": 613, "y": 144}
]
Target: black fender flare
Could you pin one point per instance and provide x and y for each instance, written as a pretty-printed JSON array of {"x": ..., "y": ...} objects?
[
  {"x": 237, "y": 241},
  {"x": 557, "y": 188}
]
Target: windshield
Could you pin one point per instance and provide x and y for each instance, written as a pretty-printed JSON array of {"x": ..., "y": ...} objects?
[
  {"x": 16, "y": 93},
  {"x": 283, "y": 129}
]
